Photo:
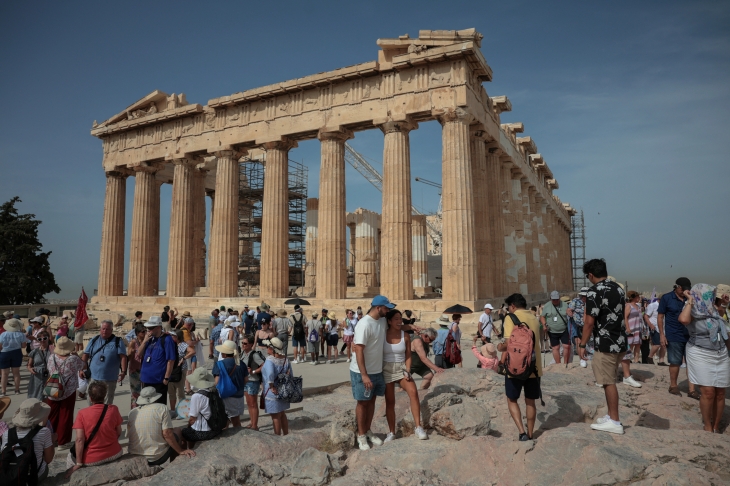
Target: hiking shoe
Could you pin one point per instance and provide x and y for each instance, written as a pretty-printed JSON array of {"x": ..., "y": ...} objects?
[
  {"x": 173, "y": 414},
  {"x": 674, "y": 390},
  {"x": 362, "y": 443},
  {"x": 523, "y": 437},
  {"x": 389, "y": 437},
  {"x": 421, "y": 434},
  {"x": 694, "y": 394},
  {"x": 373, "y": 438},
  {"x": 662, "y": 363},
  {"x": 583, "y": 363},
  {"x": 603, "y": 420},
  {"x": 631, "y": 382},
  {"x": 609, "y": 426}
]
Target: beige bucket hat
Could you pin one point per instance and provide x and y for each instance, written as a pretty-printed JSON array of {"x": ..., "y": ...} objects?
[
  {"x": 31, "y": 413},
  {"x": 64, "y": 346},
  {"x": 148, "y": 395},
  {"x": 201, "y": 379},
  {"x": 274, "y": 343},
  {"x": 13, "y": 325}
]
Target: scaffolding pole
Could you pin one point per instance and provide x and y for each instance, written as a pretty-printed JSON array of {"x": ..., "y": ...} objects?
[{"x": 578, "y": 249}]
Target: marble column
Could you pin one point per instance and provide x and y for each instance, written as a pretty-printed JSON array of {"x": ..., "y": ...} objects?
[
  {"x": 495, "y": 234},
  {"x": 111, "y": 260},
  {"x": 331, "y": 227},
  {"x": 310, "y": 269},
  {"x": 459, "y": 252},
  {"x": 420, "y": 255},
  {"x": 482, "y": 226},
  {"x": 223, "y": 281},
  {"x": 181, "y": 254},
  {"x": 144, "y": 247},
  {"x": 537, "y": 245},
  {"x": 211, "y": 195},
  {"x": 396, "y": 259},
  {"x": 199, "y": 227},
  {"x": 517, "y": 212},
  {"x": 527, "y": 215},
  {"x": 510, "y": 236},
  {"x": 353, "y": 245},
  {"x": 275, "y": 221},
  {"x": 550, "y": 237},
  {"x": 366, "y": 258}
]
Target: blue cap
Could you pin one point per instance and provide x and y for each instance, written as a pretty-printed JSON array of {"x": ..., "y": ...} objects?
[{"x": 382, "y": 300}]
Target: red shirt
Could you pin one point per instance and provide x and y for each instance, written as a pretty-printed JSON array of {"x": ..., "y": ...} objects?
[{"x": 106, "y": 441}]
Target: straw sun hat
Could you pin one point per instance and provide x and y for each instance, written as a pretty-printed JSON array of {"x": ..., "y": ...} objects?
[
  {"x": 64, "y": 346},
  {"x": 31, "y": 413},
  {"x": 13, "y": 325},
  {"x": 228, "y": 347},
  {"x": 443, "y": 320},
  {"x": 201, "y": 379},
  {"x": 274, "y": 343}
]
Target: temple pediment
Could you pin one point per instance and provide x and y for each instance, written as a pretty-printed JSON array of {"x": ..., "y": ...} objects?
[{"x": 152, "y": 104}]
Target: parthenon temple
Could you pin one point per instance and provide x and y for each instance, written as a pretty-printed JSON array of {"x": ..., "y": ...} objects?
[{"x": 503, "y": 228}]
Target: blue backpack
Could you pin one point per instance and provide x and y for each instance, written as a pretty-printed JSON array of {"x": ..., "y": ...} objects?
[{"x": 225, "y": 385}]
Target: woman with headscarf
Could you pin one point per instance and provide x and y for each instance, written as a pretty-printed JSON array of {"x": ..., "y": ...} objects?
[
  {"x": 708, "y": 362},
  {"x": 38, "y": 366}
]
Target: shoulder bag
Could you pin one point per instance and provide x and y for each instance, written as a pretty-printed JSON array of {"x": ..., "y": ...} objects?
[{"x": 72, "y": 451}]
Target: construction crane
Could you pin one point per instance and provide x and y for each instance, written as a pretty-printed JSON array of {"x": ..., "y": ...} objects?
[{"x": 358, "y": 162}]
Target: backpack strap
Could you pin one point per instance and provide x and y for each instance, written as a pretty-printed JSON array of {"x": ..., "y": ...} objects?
[
  {"x": 12, "y": 436},
  {"x": 515, "y": 319}
]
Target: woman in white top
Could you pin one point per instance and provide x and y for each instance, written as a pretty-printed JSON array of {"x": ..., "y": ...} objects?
[
  {"x": 332, "y": 338},
  {"x": 230, "y": 333},
  {"x": 396, "y": 363},
  {"x": 348, "y": 333}
]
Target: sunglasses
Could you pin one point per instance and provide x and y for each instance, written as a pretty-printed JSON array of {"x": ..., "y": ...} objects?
[
  {"x": 43, "y": 339},
  {"x": 246, "y": 344}
]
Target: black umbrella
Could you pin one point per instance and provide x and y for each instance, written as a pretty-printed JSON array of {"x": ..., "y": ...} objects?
[
  {"x": 297, "y": 301},
  {"x": 458, "y": 309}
]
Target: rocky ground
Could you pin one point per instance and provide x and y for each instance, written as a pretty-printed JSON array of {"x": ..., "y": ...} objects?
[{"x": 472, "y": 440}]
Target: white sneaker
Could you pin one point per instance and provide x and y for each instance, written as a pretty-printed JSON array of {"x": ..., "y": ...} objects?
[
  {"x": 583, "y": 364},
  {"x": 333, "y": 361},
  {"x": 328, "y": 362},
  {"x": 375, "y": 440},
  {"x": 604, "y": 419},
  {"x": 296, "y": 360},
  {"x": 389, "y": 437},
  {"x": 684, "y": 365},
  {"x": 362, "y": 442},
  {"x": 421, "y": 434},
  {"x": 631, "y": 382},
  {"x": 348, "y": 360},
  {"x": 313, "y": 363},
  {"x": 609, "y": 426},
  {"x": 599, "y": 385}
]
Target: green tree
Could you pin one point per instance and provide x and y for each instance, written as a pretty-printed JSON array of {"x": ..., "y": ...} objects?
[{"x": 25, "y": 274}]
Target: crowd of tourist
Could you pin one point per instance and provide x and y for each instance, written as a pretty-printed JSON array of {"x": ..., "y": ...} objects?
[{"x": 163, "y": 359}]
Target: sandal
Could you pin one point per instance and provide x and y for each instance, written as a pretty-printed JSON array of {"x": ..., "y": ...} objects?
[
  {"x": 694, "y": 394},
  {"x": 674, "y": 390}
]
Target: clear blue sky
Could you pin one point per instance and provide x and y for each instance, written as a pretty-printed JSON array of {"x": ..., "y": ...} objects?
[{"x": 629, "y": 103}]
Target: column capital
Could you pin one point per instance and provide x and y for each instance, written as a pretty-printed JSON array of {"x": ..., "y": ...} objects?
[
  {"x": 147, "y": 167},
  {"x": 516, "y": 173},
  {"x": 119, "y": 172},
  {"x": 453, "y": 114},
  {"x": 388, "y": 125},
  {"x": 478, "y": 132},
  {"x": 493, "y": 148},
  {"x": 283, "y": 144},
  {"x": 229, "y": 152},
  {"x": 338, "y": 133},
  {"x": 187, "y": 160}
]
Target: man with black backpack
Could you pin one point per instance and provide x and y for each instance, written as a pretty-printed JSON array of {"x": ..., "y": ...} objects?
[
  {"x": 299, "y": 335},
  {"x": 208, "y": 415},
  {"x": 519, "y": 362}
]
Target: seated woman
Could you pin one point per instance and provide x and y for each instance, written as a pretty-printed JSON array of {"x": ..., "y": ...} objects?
[
  {"x": 198, "y": 429},
  {"x": 276, "y": 363},
  {"x": 487, "y": 355},
  {"x": 26, "y": 421},
  {"x": 396, "y": 363},
  {"x": 94, "y": 449},
  {"x": 708, "y": 363}
]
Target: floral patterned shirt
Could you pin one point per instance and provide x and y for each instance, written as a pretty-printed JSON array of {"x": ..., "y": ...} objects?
[
  {"x": 605, "y": 303},
  {"x": 68, "y": 369},
  {"x": 579, "y": 309}
]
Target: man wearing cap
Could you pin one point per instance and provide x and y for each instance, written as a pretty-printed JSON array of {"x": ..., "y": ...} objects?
[
  {"x": 673, "y": 334},
  {"x": 105, "y": 355},
  {"x": 555, "y": 318},
  {"x": 439, "y": 344},
  {"x": 212, "y": 323},
  {"x": 486, "y": 325},
  {"x": 248, "y": 320},
  {"x": 576, "y": 311},
  {"x": 158, "y": 353},
  {"x": 262, "y": 315},
  {"x": 150, "y": 429}
]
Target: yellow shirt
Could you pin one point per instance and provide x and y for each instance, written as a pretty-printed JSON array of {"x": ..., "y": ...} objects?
[{"x": 528, "y": 318}]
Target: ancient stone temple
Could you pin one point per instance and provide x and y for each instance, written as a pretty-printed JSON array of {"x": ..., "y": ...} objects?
[{"x": 503, "y": 228}]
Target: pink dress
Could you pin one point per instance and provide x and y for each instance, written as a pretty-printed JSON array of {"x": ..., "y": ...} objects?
[{"x": 488, "y": 363}]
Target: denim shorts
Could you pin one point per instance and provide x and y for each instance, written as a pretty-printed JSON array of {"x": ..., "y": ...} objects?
[
  {"x": 297, "y": 343},
  {"x": 675, "y": 352},
  {"x": 252, "y": 387},
  {"x": 358, "y": 389},
  {"x": 655, "y": 338},
  {"x": 11, "y": 359}
]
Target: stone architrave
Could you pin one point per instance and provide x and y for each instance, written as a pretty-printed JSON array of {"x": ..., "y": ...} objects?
[
  {"x": 331, "y": 226},
  {"x": 396, "y": 260},
  {"x": 199, "y": 228},
  {"x": 111, "y": 261},
  {"x": 480, "y": 180},
  {"x": 420, "y": 256},
  {"x": 181, "y": 253},
  {"x": 366, "y": 258},
  {"x": 495, "y": 235},
  {"x": 459, "y": 252},
  {"x": 275, "y": 221},
  {"x": 310, "y": 268},
  {"x": 223, "y": 281},
  {"x": 144, "y": 246}
]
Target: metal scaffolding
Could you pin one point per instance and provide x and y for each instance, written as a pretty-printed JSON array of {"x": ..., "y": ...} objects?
[
  {"x": 578, "y": 249},
  {"x": 250, "y": 214}
]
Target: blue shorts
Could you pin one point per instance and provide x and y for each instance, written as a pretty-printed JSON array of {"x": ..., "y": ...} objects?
[
  {"x": 358, "y": 389},
  {"x": 193, "y": 359},
  {"x": 11, "y": 359},
  {"x": 297, "y": 343},
  {"x": 655, "y": 338},
  {"x": 252, "y": 387},
  {"x": 513, "y": 388},
  {"x": 675, "y": 352}
]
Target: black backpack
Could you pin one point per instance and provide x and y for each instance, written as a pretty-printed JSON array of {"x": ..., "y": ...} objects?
[
  {"x": 251, "y": 363},
  {"x": 218, "y": 417},
  {"x": 19, "y": 470},
  {"x": 176, "y": 373},
  {"x": 299, "y": 334}
]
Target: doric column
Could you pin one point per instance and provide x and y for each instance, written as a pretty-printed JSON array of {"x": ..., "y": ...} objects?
[
  {"x": 537, "y": 245},
  {"x": 510, "y": 236},
  {"x": 111, "y": 259},
  {"x": 459, "y": 252},
  {"x": 366, "y": 258},
  {"x": 396, "y": 261},
  {"x": 199, "y": 227},
  {"x": 223, "y": 281},
  {"x": 527, "y": 229},
  {"x": 420, "y": 255},
  {"x": 482, "y": 226},
  {"x": 182, "y": 219},
  {"x": 144, "y": 244},
  {"x": 353, "y": 245},
  {"x": 331, "y": 240},
  {"x": 310, "y": 245},
  {"x": 517, "y": 212},
  {"x": 275, "y": 221},
  {"x": 211, "y": 194},
  {"x": 550, "y": 244},
  {"x": 495, "y": 233}
]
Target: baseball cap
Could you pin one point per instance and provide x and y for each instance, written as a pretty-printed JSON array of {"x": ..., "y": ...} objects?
[
  {"x": 488, "y": 306},
  {"x": 382, "y": 300},
  {"x": 684, "y": 283},
  {"x": 554, "y": 295},
  {"x": 325, "y": 310}
]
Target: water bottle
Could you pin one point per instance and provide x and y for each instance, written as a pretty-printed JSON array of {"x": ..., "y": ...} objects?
[{"x": 368, "y": 392}]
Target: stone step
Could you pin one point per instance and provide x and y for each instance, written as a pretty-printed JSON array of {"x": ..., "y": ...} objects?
[{"x": 201, "y": 292}]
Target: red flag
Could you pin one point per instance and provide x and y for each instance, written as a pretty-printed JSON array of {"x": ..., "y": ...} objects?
[{"x": 81, "y": 315}]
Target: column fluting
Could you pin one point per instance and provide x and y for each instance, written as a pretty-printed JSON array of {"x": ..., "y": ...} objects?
[
  {"x": 111, "y": 259},
  {"x": 180, "y": 253},
  {"x": 144, "y": 243},
  {"x": 223, "y": 279}
]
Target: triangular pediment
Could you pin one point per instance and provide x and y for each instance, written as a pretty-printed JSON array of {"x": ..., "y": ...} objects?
[{"x": 157, "y": 97}]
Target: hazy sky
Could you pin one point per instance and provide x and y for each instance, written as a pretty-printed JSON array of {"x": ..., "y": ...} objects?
[{"x": 628, "y": 102}]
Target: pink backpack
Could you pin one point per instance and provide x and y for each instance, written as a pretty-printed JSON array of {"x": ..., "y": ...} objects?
[{"x": 519, "y": 359}]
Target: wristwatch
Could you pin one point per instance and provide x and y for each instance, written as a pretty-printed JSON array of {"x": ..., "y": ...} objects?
[{"x": 582, "y": 346}]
